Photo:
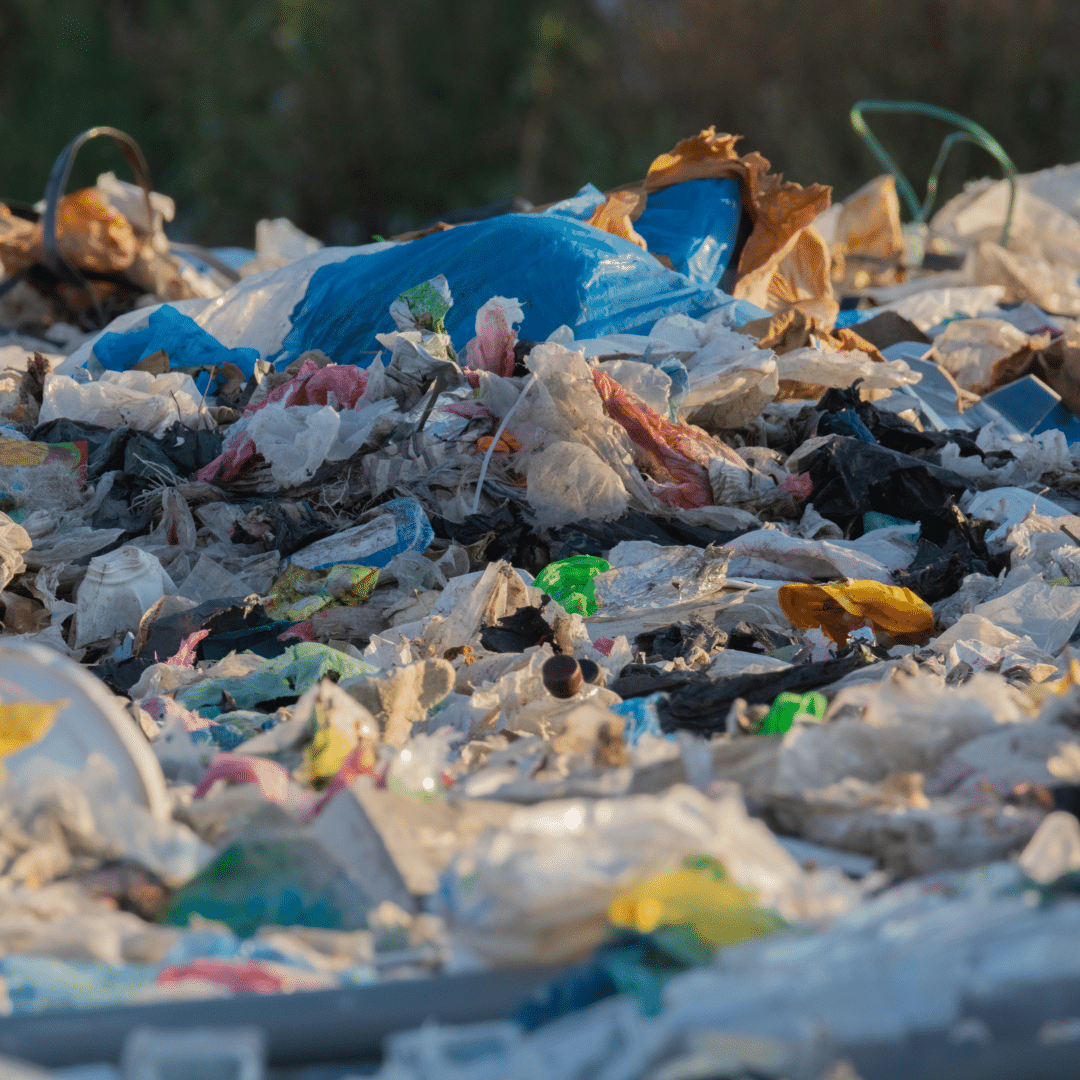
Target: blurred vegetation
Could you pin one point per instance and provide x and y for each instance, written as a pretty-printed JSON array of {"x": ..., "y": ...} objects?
[{"x": 355, "y": 117}]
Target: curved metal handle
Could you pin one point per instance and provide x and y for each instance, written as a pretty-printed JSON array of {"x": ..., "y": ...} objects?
[
  {"x": 969, "y": 132},
  {"x": 54, "y": 191}
]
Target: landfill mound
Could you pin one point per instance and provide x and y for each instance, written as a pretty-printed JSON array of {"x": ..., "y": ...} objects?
[{"x": 675, "y": 586}]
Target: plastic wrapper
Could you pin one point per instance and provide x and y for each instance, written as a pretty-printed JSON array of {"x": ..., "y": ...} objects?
[{"x": 599, "y": 849}]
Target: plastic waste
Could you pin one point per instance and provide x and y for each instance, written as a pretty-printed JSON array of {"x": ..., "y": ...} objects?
[
  {"x": 570, "y": 582},
  {"x": 288, "y": 675},
  {"x": 15, "y": 542},
  {"x": 339, "y": 725},
  {"x": 631, "y": 293},
  {"x": 299, "y": 593},
  {"x": 135, "y": 399},
  {"x": 185, "y": 342},
  {"x": 36, "y": 475},
  {"x": 91, "y": 721},
  {"x": 789, "y": 709},
  {"x": 25, "y": 723},
  {"x": 700, "y": 896},
  {"x": 486, "y": 565},
  {"x": 840, "y": 609},
  {"x": 564, "y": 916},
  {"x": 397, "y": 526},
  {"x": 272, "y": 881}
]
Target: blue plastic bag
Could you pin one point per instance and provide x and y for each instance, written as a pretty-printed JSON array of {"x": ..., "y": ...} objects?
[
  {"x": 695, "y": 224},
  {"x": 562, "y": 271},
  {"x": 412, "y": 531}
]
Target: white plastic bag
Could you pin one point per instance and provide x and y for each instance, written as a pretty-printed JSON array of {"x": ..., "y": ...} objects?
[
  {"x": 294, "y": 440},
  {"x": 969, "y": 348}
]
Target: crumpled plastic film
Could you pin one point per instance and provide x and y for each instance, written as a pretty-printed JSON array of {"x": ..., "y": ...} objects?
[
  {"x": 676, "y": 454},
  {"x": 699, "y": 895},
  {"x": 838, "y": 609}
]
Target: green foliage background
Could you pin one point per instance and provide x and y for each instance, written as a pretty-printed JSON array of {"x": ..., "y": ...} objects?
[{"x": 355, "y": 117}]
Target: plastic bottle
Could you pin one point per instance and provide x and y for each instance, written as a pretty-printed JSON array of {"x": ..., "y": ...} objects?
[{"x": 118, "y": 589}]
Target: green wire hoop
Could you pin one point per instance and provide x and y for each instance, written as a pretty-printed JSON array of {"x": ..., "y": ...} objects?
[{"x": 969, "y": 132}]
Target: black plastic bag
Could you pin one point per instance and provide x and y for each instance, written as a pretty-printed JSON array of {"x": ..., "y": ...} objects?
[{"x": 703, "y": 706}]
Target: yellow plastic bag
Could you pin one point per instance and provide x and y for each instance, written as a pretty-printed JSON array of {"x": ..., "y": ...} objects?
[
  {"x": 700, "y": 896},
  {"x": 845, "y": 606},
  {"x": 23, "y": 723}
]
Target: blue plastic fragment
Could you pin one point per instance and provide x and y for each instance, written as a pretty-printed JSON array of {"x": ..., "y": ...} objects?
[
  {"x": 695, "y": 224},
  {"x": 642, "y": 718},
  {"x": 186, "y": 342},
  {"x": 848, "y": 422}
]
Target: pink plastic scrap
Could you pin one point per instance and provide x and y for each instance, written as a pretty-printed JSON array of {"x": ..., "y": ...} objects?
[
  {"x": 798, "y": 484},
  {"x": 228, "y": 465},
  {"x": 271, "y": 776},
  {"x": 493, "y": 347},
  {"x": 275, "y": 785},
  {"x": 676, "y": 454},
  {"x": 233, "y": 976},
  {"x": 164, "y": 709},
  {"x": 301, "y": 631},
  {"x": 185, "y": 655},
  {"x": 314, "y": 385},
  {"x": 338, "y": 385},
  {"x": 603, "y": 645},
  {"x": 470, "y": 410}
]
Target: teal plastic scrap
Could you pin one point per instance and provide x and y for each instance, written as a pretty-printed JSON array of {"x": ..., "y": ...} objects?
[{"x": 297, "y": 669}]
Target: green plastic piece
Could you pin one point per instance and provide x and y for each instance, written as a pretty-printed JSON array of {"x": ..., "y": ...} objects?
[
  {"x": 787, "y": 707},
  {"x": 428, "y": 306},
  {"x": 570, "y": 582}
]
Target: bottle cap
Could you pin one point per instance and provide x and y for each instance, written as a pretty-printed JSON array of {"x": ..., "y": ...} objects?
[{"x": 562, "y": 676}]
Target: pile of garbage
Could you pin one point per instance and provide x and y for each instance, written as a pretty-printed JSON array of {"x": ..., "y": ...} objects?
[{"x": 674, "y": 586}]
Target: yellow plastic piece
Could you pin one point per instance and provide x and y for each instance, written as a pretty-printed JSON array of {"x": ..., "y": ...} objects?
[
  {"x": 25, "y": 722},
  {"x": 717, "y": 909},
  {"x": 844, "y": 606},
  {"x": 330, "y": 745}
]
